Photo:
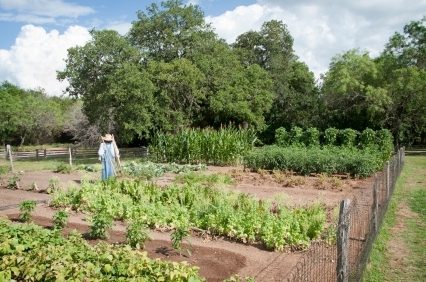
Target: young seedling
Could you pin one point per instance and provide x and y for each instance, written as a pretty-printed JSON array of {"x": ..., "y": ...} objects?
[
  {"x": 26, "y": 207},
  {"x": 60, "y": 220},
  {"x": 177, "y": 236}
]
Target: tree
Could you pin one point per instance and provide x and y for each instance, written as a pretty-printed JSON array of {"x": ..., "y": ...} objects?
[
  {"x": 294, "y": 86},
  {"x": 171, "y": 32},
  {"x": 403, "y": 66},
  {"x": 107, "y": 75},
  {"x": 350, "y": 91}
]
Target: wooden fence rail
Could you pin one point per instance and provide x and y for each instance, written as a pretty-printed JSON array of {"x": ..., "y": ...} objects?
[{"x": 76, "y": 153}]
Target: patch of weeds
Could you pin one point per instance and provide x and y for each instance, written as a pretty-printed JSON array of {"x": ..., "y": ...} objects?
[
  {"x": 63, "y": 168},
  {"x": 53, "y": 185},
  {"x": 237, "y": 174},
  {"x": 60, "y": 219},
  {"x": 12, "y": 182},
  {"x": 279, "y": 176},
  {"x": 295, "y": 181},
  {"x": 137, "y": 234},
  {"x": 263, "y": 173},
  {"x": 26, "y": 207}
]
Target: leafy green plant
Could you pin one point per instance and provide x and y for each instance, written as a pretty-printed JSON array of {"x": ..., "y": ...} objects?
[
  {"x": 101, "y": 221},
  {"x": 26, "y": 249},
  {"x": 12, "y": 182},
  {"x": 60, "y": 219},
  {"x": 137, "y": 235},
  {"x": 26, "y": 207},
  {"x": 177, "y": 236},
  {"x": 63, "y": 168}
]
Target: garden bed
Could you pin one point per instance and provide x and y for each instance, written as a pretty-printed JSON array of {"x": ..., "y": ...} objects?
[{"x": 217, "y": 257}]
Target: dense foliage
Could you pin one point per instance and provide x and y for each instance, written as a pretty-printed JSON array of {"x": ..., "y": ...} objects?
[
  {"x": 225, "y": 146},
  {"x": 30, "y": 253},
  {"x": 305, "y": 160},
  {"x": 238, "y": 216}
]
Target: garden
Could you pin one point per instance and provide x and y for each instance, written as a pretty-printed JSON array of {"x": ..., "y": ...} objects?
[{"x": 207, "y": 205}]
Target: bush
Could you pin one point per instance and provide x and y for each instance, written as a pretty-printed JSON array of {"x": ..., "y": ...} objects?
[{"x": 63, "y": 168}]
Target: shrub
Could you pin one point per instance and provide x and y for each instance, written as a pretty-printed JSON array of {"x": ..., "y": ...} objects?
[{"x": 63, "y": 168}]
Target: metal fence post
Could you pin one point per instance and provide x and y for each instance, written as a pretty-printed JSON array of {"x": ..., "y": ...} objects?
[
  {"x": 387, "y": 179},
  {"x": 343, "y": 242},
  {"x": 375, "y": 203}
]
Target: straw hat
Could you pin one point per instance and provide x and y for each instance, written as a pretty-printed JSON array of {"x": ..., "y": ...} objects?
[{"x": 107, "y": 138}]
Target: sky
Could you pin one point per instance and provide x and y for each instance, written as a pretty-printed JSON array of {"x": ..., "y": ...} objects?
[{"x": 35, "y": 34}]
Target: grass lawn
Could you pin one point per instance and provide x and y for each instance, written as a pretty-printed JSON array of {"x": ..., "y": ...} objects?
[{"x": 399, "y": 253}]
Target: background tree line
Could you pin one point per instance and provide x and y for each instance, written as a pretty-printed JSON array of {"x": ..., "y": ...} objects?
[{"x": 172, "y": 71}]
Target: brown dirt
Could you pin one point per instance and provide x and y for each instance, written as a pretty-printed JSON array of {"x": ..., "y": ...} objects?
[{"x": 218, "y": 258}]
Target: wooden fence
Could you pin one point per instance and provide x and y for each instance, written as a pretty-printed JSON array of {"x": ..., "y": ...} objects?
[{"x": 76, "y": 153}]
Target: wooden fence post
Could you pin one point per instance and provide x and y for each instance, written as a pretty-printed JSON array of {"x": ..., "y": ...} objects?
[
  {"x": 69, "y": 151},
  {"x": 45, "y": 153},
  {"x": 9, "y": 153},
  {"x": 343, "y": 241},
  {"x": 375, "y": 203}
]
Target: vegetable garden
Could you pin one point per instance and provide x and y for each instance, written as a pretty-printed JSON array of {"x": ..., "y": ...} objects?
[{"x": 301, "y": 182}]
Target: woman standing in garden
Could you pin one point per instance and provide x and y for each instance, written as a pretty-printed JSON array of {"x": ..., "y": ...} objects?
[{"x": 107, "y": 152}]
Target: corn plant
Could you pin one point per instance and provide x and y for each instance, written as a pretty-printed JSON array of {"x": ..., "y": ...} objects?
[
  {"x": 222, "y": 146},
  {"x": 26, "y": 207}
]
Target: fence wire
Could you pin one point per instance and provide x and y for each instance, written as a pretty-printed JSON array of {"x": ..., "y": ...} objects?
[{"x": 361, "y": 221}]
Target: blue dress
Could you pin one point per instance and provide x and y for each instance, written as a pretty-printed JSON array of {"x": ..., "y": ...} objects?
[{"x": 107, "y": 155}]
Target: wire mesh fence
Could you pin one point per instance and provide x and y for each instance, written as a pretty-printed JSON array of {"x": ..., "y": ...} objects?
[{"x": 358, "y": 225}]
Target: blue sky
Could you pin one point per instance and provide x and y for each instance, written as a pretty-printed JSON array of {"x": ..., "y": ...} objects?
[{"x": 35, "y": 34}]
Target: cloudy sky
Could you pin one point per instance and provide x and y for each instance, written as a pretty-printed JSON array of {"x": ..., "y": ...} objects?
[{"x": 35, "y": 34}]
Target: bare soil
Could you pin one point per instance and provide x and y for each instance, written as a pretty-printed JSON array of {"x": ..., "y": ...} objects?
[{"x": 217, "y": 258}]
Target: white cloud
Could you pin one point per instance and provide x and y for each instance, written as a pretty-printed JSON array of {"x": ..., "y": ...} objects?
[
  {"x": 49, "y": 8},
  {"x": 121, "y": 28},
  {"x": 324, "y": 28},
  {"x": 35, "y": 57}
]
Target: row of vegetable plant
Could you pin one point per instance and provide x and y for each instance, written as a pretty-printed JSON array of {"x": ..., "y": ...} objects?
[
  {"x": 225, "y": 146},
  {"x": 30, "y": 253},
  {"x": 217, "y": 211},
  {"x": 380, "y": 140},
  {"x": 148, "y": 170},
  {"x": 328, "y": 160}
]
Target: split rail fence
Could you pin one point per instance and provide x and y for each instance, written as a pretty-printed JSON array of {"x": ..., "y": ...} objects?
[
  {"x": 357, "y": 227},
  {"x": 74, "y": 152}
]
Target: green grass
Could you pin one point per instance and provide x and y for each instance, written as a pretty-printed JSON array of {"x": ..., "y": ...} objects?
[{"x": 410, "y": 190}]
